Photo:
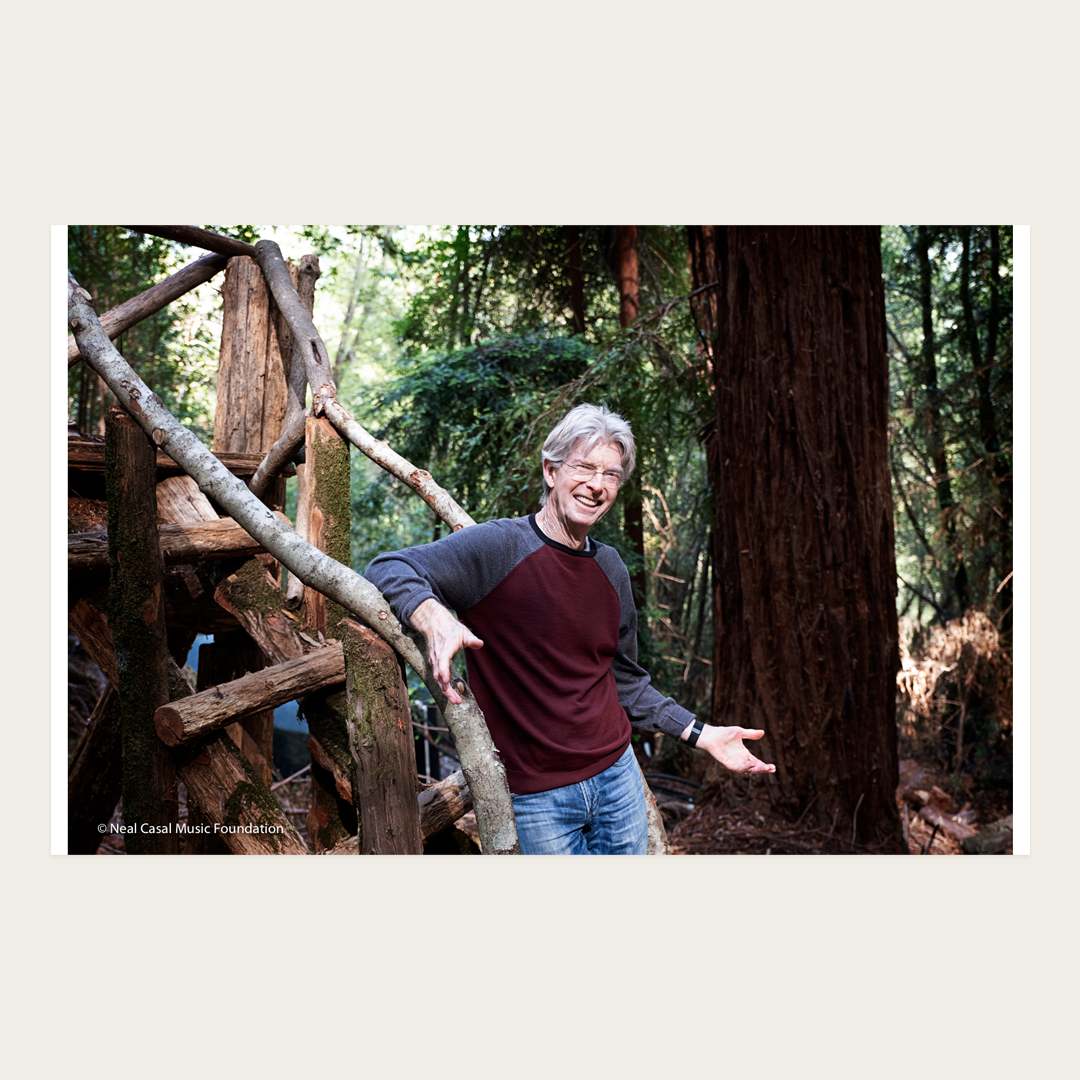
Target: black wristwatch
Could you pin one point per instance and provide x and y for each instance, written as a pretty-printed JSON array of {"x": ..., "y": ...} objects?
[{"x": 695, "y": 731}]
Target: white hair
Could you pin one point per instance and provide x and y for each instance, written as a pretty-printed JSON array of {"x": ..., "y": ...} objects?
[{"x": 591, "y": 425}]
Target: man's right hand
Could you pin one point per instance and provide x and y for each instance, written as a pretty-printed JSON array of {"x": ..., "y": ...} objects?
[{"x": 445, "y": 636}]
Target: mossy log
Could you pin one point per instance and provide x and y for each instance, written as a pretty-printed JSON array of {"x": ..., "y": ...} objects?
[
  {"x": 255, "y": 600},
  {"x": 326, "y": 468}
]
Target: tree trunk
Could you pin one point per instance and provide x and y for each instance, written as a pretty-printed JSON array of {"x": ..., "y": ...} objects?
[
  {"x": 381, "y": 743},
  {"x": 988, "y": 427},
  {"x": 577, "y": 280},
  {"x": 805, "y": 616},
  {"x": 137, "y": 619},
  {"x": 328, "y": 495}
]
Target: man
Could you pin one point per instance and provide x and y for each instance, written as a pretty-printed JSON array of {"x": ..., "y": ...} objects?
[{"x": 549, "y": 621}]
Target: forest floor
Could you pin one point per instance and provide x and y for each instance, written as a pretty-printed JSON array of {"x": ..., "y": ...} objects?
[{"x": 735, "y": 817}]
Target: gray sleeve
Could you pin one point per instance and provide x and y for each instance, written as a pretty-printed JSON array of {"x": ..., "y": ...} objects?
[
  {"x": 458, "y": 571},
  {"x": 646, "y": 707}
]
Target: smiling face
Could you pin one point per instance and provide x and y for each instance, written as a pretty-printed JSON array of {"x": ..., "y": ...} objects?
[{"x": 575, "y": 505}]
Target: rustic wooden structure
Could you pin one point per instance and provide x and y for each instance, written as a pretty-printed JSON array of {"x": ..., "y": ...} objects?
[
  {"x": 200, "y": 572},
  {"x": 214, "y": 556}
]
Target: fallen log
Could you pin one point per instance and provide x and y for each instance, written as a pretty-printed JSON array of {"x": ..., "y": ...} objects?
[
  {"x": 124, "y": 316},
  {"x": 181, "y": 721},
  {"x": 88, "y": 553},
  {"x": 90, "y": 456},
  {"x": 254, "y": 599},
  {"x": 440, "y": 806},
  {"x": 948, "y": 824}
]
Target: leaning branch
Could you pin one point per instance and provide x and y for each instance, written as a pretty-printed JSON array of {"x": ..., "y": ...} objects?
[
  {"x": 420, "y": 480},
  {"x": 140, "y": 307},
  {"x": 196, "y": 237},
  {"x": 479, "y": 758}
]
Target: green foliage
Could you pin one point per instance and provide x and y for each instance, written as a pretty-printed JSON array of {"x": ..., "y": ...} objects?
[
  {"x": 484, "y": 281},
  {"x": 471, "y": 416}
]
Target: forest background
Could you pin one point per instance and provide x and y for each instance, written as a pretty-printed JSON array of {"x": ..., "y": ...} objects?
[{"x": 462, "y": 345}]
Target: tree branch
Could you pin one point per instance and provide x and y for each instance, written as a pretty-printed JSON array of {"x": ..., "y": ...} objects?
[
  {"x": 480, "y": 760},
  {"x": 126, "y": 315},
  {"x": 196, "y": 237}
]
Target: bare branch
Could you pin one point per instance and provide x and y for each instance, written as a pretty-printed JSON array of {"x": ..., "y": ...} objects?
[{"x": 126, "y": 315}]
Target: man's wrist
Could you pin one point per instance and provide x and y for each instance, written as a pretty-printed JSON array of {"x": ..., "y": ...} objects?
[
  {"x": 693, "y": 731},
  {"x": 426, "y": 612}
]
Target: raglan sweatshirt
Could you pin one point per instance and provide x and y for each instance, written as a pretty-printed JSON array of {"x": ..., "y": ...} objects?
[{"x": 558, "y": 678}]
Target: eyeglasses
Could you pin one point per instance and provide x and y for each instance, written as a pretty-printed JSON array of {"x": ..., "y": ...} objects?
[{"x": 581, "y": 471}]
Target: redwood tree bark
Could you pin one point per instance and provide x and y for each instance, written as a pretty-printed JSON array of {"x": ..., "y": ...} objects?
[{"x": 805, "y": 601}]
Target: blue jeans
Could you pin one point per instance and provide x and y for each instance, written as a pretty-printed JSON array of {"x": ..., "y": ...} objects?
[{"x": 604, "y": 815}]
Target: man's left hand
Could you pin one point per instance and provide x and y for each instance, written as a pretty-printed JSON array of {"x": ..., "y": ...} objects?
[{"x": 726, "y": 745}]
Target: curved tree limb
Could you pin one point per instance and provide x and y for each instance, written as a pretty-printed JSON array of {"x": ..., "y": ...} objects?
[
  {"x": 281, "y": 453},
  {"x": 292, "y": 427},
  {"x": 479, "y": 758},
  {"x": 126, "y": 315},
  {"x": 307, "y": 344}
]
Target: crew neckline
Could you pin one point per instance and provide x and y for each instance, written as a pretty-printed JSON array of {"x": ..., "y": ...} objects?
[{"x": 588, "y": 552}]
